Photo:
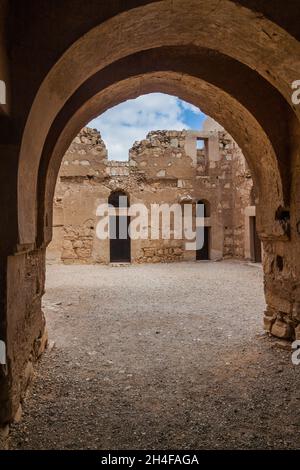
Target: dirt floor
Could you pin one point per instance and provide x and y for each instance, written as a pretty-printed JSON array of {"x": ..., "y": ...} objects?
[{"x": 160, "y": 356}]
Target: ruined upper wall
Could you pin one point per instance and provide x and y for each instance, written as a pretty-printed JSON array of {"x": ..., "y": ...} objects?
[
  {"x": 165, "y": 167},
  {"x": 167, "y": 159},
  {"x": 163, "y": 154},
  {"x": 86, "y": 156}
]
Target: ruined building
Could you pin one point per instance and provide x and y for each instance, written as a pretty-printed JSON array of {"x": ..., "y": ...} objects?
[
  {"x": 240, "y": 66},
  {"x": 168, "y": 167}
]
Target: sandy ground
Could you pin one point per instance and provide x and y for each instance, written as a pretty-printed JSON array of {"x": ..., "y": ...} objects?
[{"x": 157, "y": 357}]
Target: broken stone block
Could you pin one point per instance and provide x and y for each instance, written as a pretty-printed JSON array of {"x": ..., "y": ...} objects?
[
  {"x": 281, "y": 329},
  {"x": 68, "y": 254},
  {"x": 149, "y": 252},
  {"x": 67, "y": 245},
  {"x": 83, "y": 253},
  {"x": 268, "y": 322}
]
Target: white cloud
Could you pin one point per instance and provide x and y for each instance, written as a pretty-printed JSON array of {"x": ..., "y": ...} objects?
[{"x": 132, "y": 120}]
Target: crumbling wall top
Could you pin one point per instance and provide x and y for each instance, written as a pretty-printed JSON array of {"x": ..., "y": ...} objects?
[{"x": 86, "y": 156}]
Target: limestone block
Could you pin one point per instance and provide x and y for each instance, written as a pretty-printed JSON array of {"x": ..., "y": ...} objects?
[
  {"x": 148, "y": 252},
  {"x": 83, "y": 253},
  {"x": 67, "y": 245},
  {"x": 268, "y": 322},
  {"x": 68, "y": 254},
  {"x": 281, "y": 329}
]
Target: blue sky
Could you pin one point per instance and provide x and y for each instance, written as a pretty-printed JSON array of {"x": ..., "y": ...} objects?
[{"x": 132, "y": 120}]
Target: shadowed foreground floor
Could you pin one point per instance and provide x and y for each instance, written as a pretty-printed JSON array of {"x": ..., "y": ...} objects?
[{"x": 159, "y": 356}]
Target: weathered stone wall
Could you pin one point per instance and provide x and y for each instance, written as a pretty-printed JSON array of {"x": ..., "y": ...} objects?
[
  {"x": 237, "y": 194},
  {"x": 165, "y": 167},
  {"x": 25, "y": 276},
  {"x": 47, "y": 92}
]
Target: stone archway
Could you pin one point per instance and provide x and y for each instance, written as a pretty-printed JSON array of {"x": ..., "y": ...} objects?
[
  {"x": 147, "y": 28},
  {"x": 222, "y": 60},
  {"x": 244, "y": 127}
]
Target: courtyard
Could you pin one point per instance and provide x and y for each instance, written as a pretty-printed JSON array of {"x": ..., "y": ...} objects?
[{"x": 159, "y": 356}]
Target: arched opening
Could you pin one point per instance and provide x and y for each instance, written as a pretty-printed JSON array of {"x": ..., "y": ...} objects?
[
  {"x": 119, "y": 236},
  {"x": 222, "y": 60},
  {"x": 255, "y": 242},
  {"x": 203, "y": 95}
]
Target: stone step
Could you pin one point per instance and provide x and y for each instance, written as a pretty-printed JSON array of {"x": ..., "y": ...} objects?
[{"x": 118, "y": 265}]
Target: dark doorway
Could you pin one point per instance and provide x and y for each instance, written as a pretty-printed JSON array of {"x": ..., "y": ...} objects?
[
  {"x": 203, "y": 253},
  {"x": 255, "y": 242},
  {"x": 118, "y": 229},
  {"x": 119, "y": 247},
  {"x": 205, "y": 207}
]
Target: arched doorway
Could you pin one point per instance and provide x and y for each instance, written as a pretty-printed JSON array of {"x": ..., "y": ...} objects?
[
  {"x": 149, "y": 54},
  {"x": 119, "y": 239},
  {"x": 253, "y": 246},
  {"x": 255, "y": 243}
]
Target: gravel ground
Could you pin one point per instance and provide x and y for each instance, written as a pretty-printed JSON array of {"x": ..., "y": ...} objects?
[{"x": 159, "y": 356}]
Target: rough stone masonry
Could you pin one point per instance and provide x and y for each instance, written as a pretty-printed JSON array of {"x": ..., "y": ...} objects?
[
  {"x": 229, "y": 65},
  {"x": 166, "y": 167}
]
